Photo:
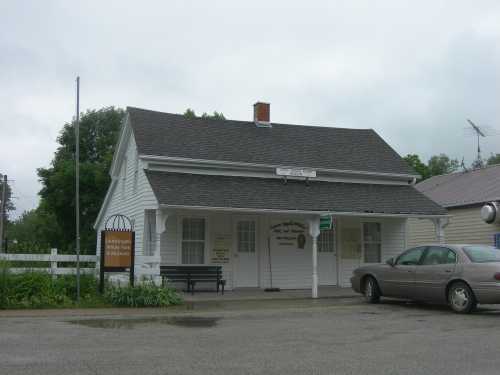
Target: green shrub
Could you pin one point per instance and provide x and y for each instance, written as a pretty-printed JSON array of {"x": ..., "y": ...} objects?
[
  {"x": 37, "y": 289},
  {"x": 146, "y": 294}
]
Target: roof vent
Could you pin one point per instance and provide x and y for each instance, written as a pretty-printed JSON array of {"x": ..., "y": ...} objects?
[
  {"x": 490, "y": 213},
  {"x": 261, "y": 114}
]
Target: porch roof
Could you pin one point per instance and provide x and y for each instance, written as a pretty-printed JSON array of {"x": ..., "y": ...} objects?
[{"x": 209, "y": 191}]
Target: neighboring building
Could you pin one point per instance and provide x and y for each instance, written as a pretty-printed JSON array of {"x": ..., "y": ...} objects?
[
  {"x": 463, "y": 194},
  {"x": 249, "y": 194}
]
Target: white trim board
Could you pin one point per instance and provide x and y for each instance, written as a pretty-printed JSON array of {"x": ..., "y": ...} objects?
[{"x": 301, "y": 212}]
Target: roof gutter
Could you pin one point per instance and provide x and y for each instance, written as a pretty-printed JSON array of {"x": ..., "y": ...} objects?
[
  {"x": 218, "y": 163},
  {"x": 302, "y": 212}
]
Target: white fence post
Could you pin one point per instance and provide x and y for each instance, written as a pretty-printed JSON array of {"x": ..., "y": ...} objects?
[{"x": 53, "y": 263}]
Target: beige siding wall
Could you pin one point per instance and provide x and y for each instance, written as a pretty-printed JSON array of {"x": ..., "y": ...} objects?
[{"x": 465, "y": 226}]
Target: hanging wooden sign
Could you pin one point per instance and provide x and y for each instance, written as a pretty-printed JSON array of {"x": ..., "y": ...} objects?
[{"x": 117, "y": 248}]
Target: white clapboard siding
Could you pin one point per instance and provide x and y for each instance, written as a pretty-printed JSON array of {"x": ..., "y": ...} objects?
[{"x": 131, "y": 201}]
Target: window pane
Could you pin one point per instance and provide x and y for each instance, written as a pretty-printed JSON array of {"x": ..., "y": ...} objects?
[
  {"x": 246, "y": 236},
  {"x": 411, "y": 257},
  {"x": 193, "y": 252},
  {"x": 438, "y": 255},
  {"x": 371, "y": 232},
  {"x": 193, "y": 229},
  {"x": 372, "y": 253},
  {"x": 326, "y": 241}
]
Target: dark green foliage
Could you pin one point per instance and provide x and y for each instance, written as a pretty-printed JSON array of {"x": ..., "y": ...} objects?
[
  {"x": 442, "y": 164},
  {"x": 437, "y": 165},
  {"x": 9, "y": 204},
  {"x": 494, "y": 159},
  {"x": 40, "y": 290},
  {"x": 189, "y": 113},
  {"x": 35, "y": 231},
  {"x": 98, "y": 135},
  {"x": 419, "y": 167},
  {"x": 146, "y": 294}
]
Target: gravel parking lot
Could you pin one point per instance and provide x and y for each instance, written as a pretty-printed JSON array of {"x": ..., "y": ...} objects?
[{"x": 327, "y": 336}]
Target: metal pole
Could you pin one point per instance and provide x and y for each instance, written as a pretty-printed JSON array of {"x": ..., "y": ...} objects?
[
  {"x": 77, "y": 195},
  {"x": 2, "y": 212}
]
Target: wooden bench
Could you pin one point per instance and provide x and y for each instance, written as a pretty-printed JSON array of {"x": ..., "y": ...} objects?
[{"x": 193, "y": 274}]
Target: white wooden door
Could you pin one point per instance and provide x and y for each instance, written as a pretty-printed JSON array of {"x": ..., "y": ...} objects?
[
  {"x": 327, "y": 258},
  {"x": 246, "y": 272}
]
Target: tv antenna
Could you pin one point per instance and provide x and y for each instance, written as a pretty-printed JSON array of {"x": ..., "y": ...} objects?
[{"x": 479, "y": 133}]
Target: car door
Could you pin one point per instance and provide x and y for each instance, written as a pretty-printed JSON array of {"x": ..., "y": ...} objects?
[
  {"x": 432, "y": 275},
  {"x": 399, "y": 280}
]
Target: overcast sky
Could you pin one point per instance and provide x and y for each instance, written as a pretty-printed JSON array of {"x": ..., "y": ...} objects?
[{"x": 411, "y": 70}]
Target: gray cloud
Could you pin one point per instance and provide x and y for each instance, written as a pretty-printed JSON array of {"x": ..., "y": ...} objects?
[{"x": 413, "y": 71}]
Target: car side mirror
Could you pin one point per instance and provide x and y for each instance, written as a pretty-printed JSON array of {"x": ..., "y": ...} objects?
[{"x": 390, "y": 262}]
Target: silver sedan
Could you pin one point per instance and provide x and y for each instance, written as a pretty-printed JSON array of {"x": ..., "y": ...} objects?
[{"x": 459, "y": 275}]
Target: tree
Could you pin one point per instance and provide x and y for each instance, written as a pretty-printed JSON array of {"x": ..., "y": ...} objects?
[
  {"x": 34, "y": 231},
  {"x": 190, "y": 114},
  {"x": 417, "y": 165},
  {"x": 98, "y": 135},
  {"x": 442, "y": 164},
  {"x": 9, "y": 205},
  {"x": 493, "y": 159}
]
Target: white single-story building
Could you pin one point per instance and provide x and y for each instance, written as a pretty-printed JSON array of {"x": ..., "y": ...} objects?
[{"x": 248, "y": 195}]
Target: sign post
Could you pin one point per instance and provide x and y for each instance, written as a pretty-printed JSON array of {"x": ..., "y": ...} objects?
[
  {"x": 117, "y": 248},
  {"x": 325, "y": 223}
]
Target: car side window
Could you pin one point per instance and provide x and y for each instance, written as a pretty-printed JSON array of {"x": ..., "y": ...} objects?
[
  {"x": 439, "y": 255},
  {"x": 410, "y": 257}
]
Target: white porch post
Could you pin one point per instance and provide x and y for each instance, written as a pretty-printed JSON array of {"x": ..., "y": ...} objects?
[
  {"x": 439, "y": 225},
  {"x": 314, "y": 233}
]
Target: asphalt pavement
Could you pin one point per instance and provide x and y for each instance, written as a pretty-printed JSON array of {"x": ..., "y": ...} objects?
[{"x": 326, "y": 336}]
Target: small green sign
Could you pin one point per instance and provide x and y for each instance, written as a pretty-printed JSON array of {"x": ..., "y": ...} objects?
[{"x": 325, "y": 223}]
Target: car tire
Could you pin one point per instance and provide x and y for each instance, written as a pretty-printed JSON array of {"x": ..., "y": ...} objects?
[
  {"x": 371, "y": 290},
  {"x": 461, "y": 298}
]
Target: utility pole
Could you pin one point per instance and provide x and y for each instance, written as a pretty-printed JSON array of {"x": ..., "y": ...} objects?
[
  {"x": 77, "y": 183},
  {"x": 2, "y": 212}
]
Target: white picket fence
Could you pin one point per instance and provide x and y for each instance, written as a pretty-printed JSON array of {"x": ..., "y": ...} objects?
[{"x": 53, "y": 258}]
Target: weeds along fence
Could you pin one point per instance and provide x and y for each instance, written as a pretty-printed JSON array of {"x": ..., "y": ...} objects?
[{"x": 39, "y": 262}]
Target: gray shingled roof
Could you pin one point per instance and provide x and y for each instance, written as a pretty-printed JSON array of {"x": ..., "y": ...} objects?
[
  {"x": 463, "y": 188},
  {"x": 259, "y": 193},
  {"x": 165, "y": 134}
]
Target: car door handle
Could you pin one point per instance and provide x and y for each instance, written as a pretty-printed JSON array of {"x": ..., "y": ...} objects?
[{"x": 447, "y": 271}]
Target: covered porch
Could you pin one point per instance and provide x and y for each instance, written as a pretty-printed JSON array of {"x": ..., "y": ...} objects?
[{"x": 265, "y": 232}]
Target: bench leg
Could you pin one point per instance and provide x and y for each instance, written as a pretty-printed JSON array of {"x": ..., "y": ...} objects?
[{"x": 192, "y": 287}]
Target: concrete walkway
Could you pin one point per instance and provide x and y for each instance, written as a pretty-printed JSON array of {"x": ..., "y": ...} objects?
[{"x": 259, "y": 294}]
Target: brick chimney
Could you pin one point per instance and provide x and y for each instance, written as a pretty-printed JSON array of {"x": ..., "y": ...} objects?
[{"x": 261, "y": 114}]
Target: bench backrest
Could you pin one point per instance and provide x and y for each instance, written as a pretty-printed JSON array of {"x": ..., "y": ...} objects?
[{"x": 191, "y": 272}]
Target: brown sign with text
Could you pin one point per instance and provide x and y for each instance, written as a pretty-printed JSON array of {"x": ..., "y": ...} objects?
[{"x": 118, "y": 249}]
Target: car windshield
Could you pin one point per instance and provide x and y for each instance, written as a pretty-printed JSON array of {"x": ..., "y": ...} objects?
[{"x": 482, "y": 254}]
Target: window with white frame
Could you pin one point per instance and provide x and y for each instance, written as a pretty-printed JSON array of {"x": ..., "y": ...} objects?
[
  {"x": 150, "y": 233},
  {"x": 372, "y": 242},
  {"x": 326, "y": 241},
  {"x": 193, "y": 241},
  {"x": 246, "y": 236}
]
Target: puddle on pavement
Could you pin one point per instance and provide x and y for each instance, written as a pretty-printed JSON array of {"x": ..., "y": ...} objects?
[{"x": 128, "y": 323}]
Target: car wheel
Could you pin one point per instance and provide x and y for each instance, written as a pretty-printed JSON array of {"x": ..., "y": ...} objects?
[
  {"x": 371, "y": 291},
  {"x": 461, "y": 298}
]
